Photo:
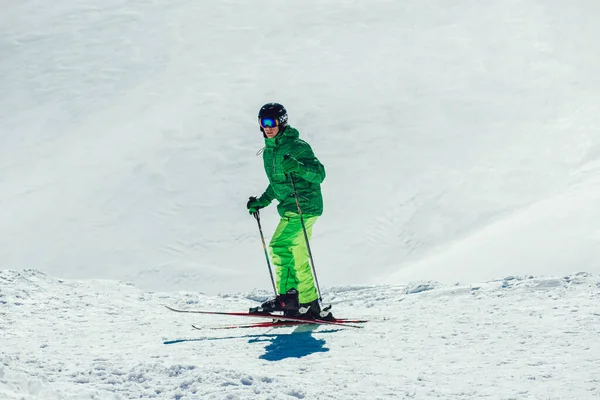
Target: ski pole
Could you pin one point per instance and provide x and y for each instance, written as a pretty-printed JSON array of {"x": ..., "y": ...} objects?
[
  {"x": 262, "y": 238},
  {"x": 312, "y": 261}
]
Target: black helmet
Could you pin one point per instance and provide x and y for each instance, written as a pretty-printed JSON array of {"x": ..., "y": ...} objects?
[{"x": 275, "y": 111}]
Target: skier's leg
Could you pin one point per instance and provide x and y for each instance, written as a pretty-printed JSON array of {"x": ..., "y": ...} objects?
[
  {"x": 282, "y": 257},
  {"x": 302, "y": 268},
  {"x": 289, "y": 252},
  {"x": 290, "y": 255}
]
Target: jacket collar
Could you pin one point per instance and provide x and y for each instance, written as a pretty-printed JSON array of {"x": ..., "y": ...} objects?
[{"x": 287, "y": 134}]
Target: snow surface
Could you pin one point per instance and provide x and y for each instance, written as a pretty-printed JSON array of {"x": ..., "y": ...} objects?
[
  {"x": 462, "y": 146},
  {"x": 515, "y": 338}
]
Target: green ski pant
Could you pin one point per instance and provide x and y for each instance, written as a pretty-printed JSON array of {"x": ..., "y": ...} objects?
[{"x": 290, "y": 257}]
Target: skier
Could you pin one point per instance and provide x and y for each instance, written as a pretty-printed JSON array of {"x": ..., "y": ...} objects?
[{"x": 287, "y": 157}]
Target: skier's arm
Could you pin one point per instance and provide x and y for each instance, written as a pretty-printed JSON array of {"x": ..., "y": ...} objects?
[
  {"x": 311, "y": 168},
  {"x": 267, "y": 197}
]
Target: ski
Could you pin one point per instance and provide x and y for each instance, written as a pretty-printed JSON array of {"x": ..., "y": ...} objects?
[
  {"x": 339, "y": 322},
  {"x": 269, "y": 324}
]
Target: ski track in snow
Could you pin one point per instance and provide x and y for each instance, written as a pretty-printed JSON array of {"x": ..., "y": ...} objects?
[{"x": 516, "y": 338}]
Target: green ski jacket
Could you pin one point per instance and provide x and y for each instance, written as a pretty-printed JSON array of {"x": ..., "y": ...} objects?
[{"x": 308, "y": 179}]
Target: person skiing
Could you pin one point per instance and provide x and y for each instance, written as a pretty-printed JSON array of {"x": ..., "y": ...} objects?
[{"x": 287, "y": 157}]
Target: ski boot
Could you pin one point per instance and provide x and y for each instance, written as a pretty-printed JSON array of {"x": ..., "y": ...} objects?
[
  {"x": 313, "y": 310},
  {"x": 288, "y": 303}
]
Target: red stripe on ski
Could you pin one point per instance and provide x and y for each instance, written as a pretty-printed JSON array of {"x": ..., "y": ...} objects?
[
  {"x": 339, "y": 322},
  {"x": 270, "y": 324}
]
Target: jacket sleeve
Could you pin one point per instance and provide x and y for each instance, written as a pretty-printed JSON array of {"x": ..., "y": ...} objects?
[
  {"x": 268, "y": 195},
  {"x": 312, "y": 171}
]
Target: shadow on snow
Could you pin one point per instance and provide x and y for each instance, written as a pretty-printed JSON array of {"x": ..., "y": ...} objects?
[{"x": 297, "y": 344}]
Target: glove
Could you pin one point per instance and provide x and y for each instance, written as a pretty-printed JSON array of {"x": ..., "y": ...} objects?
[
  {"x": 290, "y": 164},
  {"x": 255, "y": 204}
]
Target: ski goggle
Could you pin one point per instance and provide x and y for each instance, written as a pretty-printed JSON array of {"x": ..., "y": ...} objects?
[{"x": 268, "y": 122}]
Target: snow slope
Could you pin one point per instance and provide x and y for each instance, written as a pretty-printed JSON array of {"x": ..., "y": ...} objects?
[
  {"x": 128, "y": 134},
  {"x": 462, "y": 144},
  {"x": 548, "y": 237},
  {"x": 515, "y": 338}
]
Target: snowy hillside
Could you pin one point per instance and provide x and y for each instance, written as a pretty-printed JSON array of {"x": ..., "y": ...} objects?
[
  {"x": 128, "y": 137},
  {"x": 515, "y": 338},
  {"x": 461, "y": 142}
]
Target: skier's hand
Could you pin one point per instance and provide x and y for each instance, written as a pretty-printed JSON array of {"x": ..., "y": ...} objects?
[
  {"x": 255, "y": 204},
  {"x": 290, "y": 164}
]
